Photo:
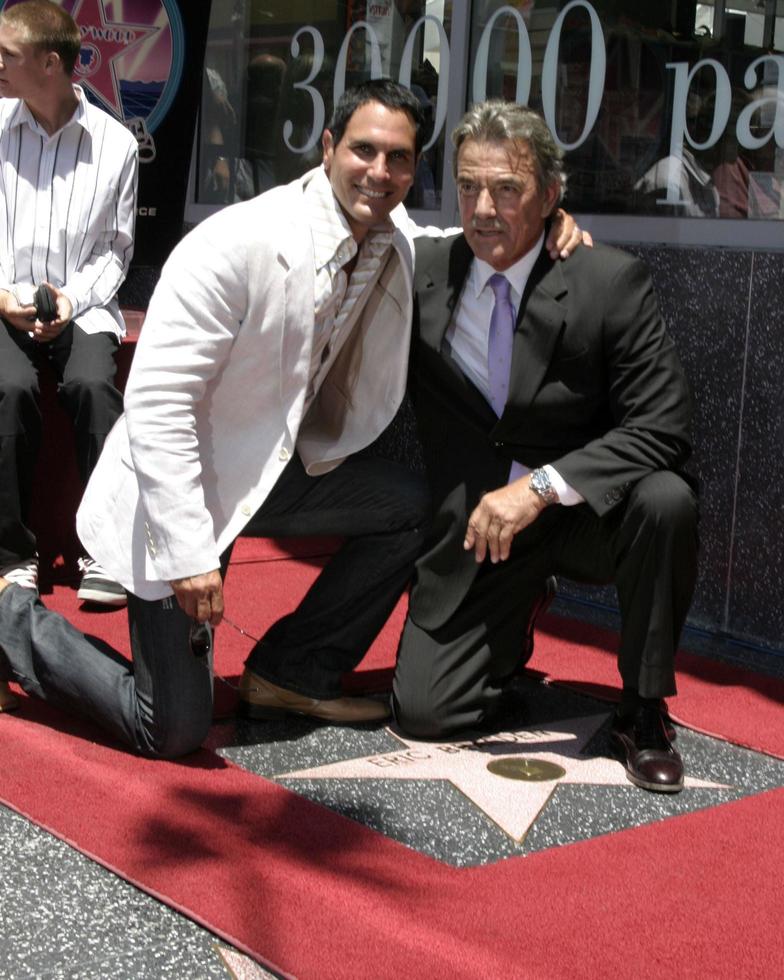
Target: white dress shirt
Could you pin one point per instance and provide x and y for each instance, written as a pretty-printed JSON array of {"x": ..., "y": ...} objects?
[
  {"x": 68, "y": 208},
  {"x": 468, "y": 335}
]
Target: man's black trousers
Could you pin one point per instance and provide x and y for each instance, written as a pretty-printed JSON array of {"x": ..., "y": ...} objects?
[
  {"x": 451, "y": 678},
  {"x": 84, "y": 368}
]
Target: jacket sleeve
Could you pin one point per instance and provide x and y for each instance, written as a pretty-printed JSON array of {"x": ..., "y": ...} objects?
[
  {"x": 648, "y": 395},
  {"x": 195, "y": 314}
]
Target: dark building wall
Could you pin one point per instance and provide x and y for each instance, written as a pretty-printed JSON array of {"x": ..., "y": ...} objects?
[{"x": 725, "y": 312}]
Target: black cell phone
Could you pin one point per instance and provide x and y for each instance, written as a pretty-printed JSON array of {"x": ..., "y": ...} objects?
[
  {"x": 45, "y": 305},
  {"x": 200, "y": 639}
]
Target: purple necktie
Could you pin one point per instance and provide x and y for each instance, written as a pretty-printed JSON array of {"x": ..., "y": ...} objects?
[{"x": 499, "y": 343}]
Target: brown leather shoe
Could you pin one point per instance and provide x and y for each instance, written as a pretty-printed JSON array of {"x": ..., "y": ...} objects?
[
  {"x": 8, "y": 701},
  {"x": 261, "y": 700}
]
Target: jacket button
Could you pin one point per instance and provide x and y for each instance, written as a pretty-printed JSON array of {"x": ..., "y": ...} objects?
[
  {"x": 245, "y": 510},
  {"x": 284, "y": 454}
]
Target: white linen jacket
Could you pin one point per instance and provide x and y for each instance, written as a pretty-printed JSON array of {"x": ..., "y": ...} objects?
[{"x": 214, "y": 401}]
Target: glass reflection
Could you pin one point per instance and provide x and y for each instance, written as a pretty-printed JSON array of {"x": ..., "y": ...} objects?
[
  {"x": 272, "y": 72},
  {"x": 680, "y": 112}
]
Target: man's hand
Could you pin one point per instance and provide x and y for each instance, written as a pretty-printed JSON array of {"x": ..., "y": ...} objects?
[
  {"x": 499, "y": 516},
  {"x": 24, "y": 317},
  {"x": 20, "y": 317},
  {"x": 221, "y": 175},
  {"x": 565, "y": 236},
  {"x": 201, "y": 596},
  {"x": 44, "y": 332}
]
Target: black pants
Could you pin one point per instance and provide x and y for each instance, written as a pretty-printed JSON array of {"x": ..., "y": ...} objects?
[
  {"x": 380, "y": 507},
  {"x": 84, "y": 367},
  {"x": 452, "y": 677}
]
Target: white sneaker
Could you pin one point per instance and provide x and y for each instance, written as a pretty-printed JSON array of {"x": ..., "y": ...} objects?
[
  {"x": 97, "y": 586},
  {"x": 24, "y": 573}
]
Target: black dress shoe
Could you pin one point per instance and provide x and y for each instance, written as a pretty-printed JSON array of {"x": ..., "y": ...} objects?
[{"x": 645, "y": 749}]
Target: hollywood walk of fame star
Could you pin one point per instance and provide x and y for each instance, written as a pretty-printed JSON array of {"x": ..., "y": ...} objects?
[
  {"x": 241, "y": 967},
  {"x": 529, "y": 764},
  {"x": 102, "y": 43}
]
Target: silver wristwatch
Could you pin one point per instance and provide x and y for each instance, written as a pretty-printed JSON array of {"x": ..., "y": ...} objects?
[{"x": 540, "y": 484}]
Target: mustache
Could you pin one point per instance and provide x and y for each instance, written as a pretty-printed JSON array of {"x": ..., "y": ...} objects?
[{"x": 486, "y": 225}]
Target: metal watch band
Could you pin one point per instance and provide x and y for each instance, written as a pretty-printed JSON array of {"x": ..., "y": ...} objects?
[{"x": 540, "y": 484}]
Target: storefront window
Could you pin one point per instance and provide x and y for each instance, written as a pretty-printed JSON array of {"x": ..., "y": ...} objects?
[
  {"x": 665, "y": 107},
  {"x": 274, "y": 68}
]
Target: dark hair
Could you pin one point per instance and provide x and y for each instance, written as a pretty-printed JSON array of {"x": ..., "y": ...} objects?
[
  {"x": 498, "y": 121},
  {"x": 48, "y": 27},
  {"x": 389, "y": 94}
]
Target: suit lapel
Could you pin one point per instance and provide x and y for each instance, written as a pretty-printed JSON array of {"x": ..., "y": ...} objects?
[
  {"x": 539, "y": 324},
  {"x": 438, "y": 294},
  {"x": 439, "y": 291},
  {"x": 295, "y": 327}
]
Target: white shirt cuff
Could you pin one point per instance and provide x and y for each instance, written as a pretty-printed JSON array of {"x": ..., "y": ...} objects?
[{"x": 567, "y": 496}]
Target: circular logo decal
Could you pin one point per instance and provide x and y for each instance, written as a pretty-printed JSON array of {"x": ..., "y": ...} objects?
[{"x": 131, "y": 58}]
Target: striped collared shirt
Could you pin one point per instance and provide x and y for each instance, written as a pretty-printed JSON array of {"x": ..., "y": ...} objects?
[
  {"x": 68, "y": 208},
  {"x": 338, "y": 299}
]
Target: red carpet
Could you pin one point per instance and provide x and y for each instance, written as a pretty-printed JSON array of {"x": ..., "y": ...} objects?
[{"x": 318, "y": 896}]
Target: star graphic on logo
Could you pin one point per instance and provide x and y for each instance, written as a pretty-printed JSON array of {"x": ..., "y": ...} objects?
[
  {"x": 102, "y": 42},
  {"x": 508, "y": 775}
]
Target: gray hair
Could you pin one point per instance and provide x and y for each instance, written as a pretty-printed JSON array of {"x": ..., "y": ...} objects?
[{"x": 497, "y": 121}]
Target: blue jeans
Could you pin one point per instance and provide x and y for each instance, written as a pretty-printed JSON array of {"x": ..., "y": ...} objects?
[{"x": 160, "y": 706}]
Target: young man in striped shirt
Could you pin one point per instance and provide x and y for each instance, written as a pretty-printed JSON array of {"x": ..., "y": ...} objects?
[{"x": 68, "y": 177}]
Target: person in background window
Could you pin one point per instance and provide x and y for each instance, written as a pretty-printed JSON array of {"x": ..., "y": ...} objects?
[
  {"x": 685, "y": 178},
  {"x": 265, "y": 76},
  {"x": 746, "y": 178},
  {"x": 227, "y": 177}
]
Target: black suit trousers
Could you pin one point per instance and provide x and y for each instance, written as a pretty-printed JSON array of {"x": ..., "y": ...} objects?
[
  {"x": 451, "y": 678},
  {"x": 380, "y": 507},
  {"x": 84, "y": 367}
]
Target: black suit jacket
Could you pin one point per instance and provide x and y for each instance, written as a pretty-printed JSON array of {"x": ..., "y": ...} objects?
[{"x": 596, "y": 389}]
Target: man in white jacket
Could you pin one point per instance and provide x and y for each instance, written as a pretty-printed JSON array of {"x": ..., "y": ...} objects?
[{"x": 275, "y": 349}]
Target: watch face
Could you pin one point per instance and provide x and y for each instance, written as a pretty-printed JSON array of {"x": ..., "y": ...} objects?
[{"x": 540, "y": 483}]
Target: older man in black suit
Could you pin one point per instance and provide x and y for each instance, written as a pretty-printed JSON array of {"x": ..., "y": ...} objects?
[{"x": 554, "y": 415}]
